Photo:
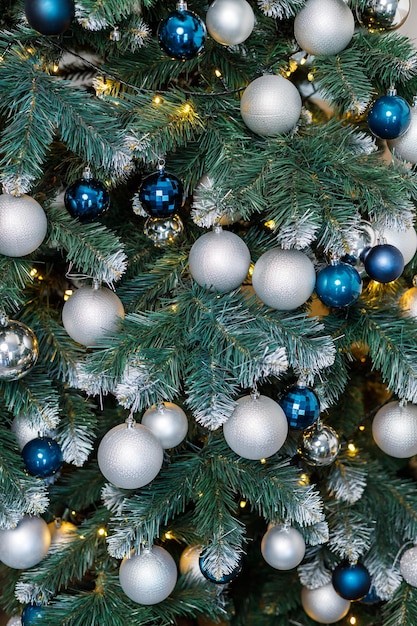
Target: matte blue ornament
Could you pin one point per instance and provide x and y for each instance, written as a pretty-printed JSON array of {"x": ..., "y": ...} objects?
[
  {"x": 301, "y": 406},
  {"x": 351, "y": 581},
  {"x": 50, "y": 17},
  {"x": 389, "y": 116},
  {"x": 221, "y": 579},
  {"x": 182, "y": 33},
  {"x": 42, "y": 457},
  {"x": 384, "y": 263},
  {"x": 87, "y": 199},
  {"x": 161, "y": 194},
  {"x": 338, "y": 285},
  {"x": 33, "y": 615}
]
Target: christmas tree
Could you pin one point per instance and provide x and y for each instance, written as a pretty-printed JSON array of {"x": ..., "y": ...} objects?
[{"x": 208, "y": 321}]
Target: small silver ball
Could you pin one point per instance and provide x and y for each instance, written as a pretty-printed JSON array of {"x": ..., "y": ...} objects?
[
  {"x": 23, "y": 225},
  {"x": 168, "y": 422},
  {"x": 324, "y": 27},
  {"x": 394, "y": 429},
  {"x": 190, "y": 562},
  {"x": 148, "y": 578},
  {"x": 163, "y": 230},
  {"x": 26, "y": 545},
  {"x": 230, "y": 22},
  {"x": 404, "y": 240},
  {"x": 324, "y": 605},
  {"x": 408, "y": 566},
  {"x": 18, "y": 350},
  {"x": 283, "y": 547},
  {"x": 405, "y": 146},
  {"x": 319, "y": 445}
]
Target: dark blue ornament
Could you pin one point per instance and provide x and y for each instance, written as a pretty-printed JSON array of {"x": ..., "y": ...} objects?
[
  {"x": 352, "y": 581},
  {"x": 49, "y": 17},
  {"x": 389, "y": 117},
  {"x": 87, "y": 199},
  {"x": 371, "y": 597},
  {"x": 301, "y": 406},
  {"x": 33, "y": 615},
  {"x": 338, "y": 285},
  {"x": 384, "y": 263},
  {"x": 161, "y": 194},
  {"x": 42, "y": 457},
  {"x": 222, "y": 579},
  {"x": 182, "y": 34}
]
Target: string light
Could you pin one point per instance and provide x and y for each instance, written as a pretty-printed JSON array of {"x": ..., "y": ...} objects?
[
  {"x": 169, "y": 535},
  {"x": 352, "y": 449},
  {"x": 218, "y": 73},
  {"x": 352, "y": 620},
  {"x": 102, "y": 532},
  {"x": 33, "y": 272},
  {"x": 263, "y": 461},
  {"x": 67, "y": 294},
  {"x": 304, "y": 480},
  {"x": 242, "y": 504},
  {"x": 157, "y": 99},
  {"x": 270, "y": 224},
  {"x": 362, "y": 427}
]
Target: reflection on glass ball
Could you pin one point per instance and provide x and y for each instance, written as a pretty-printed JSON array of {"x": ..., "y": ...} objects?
[
  {"x": 319, "y": 445},
  {"x": 182, "y": 34},
  {"x": 219, "y": 577},
  {"x": 380, "y": 15},
  {"x": 163, "y": 230},
  {"x": 18, "y": 350}
]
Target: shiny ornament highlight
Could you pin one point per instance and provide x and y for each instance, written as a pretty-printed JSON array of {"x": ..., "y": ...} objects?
[
  {"x": 33, "y": 615},
  {"x": 338, "y": 285},
  {"x": 384, "y": 263},
  {"x": 190, "y": 562},
  {"x": 218, "y": 578},
  {"x": 161, "y": 194},
  {"x": 405, "y": 146},
  {"x": 168, "y": 422},
  {"x": 182, "y": 34},
  {"x": 351, "y": 581},
  {"x": 18, "y": 349},
  {"x": 270, "y": 105},
  {"x": 408, "y": 566},
  {"x": 324, "y": 605},
  {"x": 50, "y": 17},
  {"x": 87, "y": 199},
  {"x": 404, "y": 240},
  {"x": 390, "y": 116},
  {"x": 23, "y": 225},
  {"x": 62, "y": 532},
  {"x": 394, "y": 429},
  {"x": 324, "y": 27},
  {"x": 319, "y": 445},
  {"x": 163, "y": 230},
  {"x": 301, "y": 406},
  {"x": 148, "y": 578},
  {"x": 42, "y": 457},
  {"x": 381, "y": 15},
  {"x": 26, "y": 545},
  {"x": 283, "y": 547},
  {"x": 230, "y": 22}
]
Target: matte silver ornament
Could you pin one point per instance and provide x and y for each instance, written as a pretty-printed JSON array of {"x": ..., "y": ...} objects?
[
  {"x": 219, "y": 260},
  {"x": 394, "y": 429},
  {"x": 324, "y": 27},
  {"x": 148, "y": 578},
  {"x": 18, "y": 349},
  {"x": 405, "y": 146},
  {"x": 168, "y": 422},
  {"x": 130, "y": 456},
  {"x": 230, "y": 22},
  {"x": 26, "y": 545},
  {"x": 190, "y": 562},
  {"x": 91, "y": 313},
  {"x": 284, "y": 279},
  {"x": 23, "y": 225},
  {"x": 257, "y": 427},
  {"x": 25, "y": 431},
  {"x": 283, "y": 547},
  {"x": 408, "y": 566},
  {"x": 163, "y": 230},
  {"x": 270, "y": 105},
  {"x": 319, "y": 445},
  {"x": 324, "y": 605}
]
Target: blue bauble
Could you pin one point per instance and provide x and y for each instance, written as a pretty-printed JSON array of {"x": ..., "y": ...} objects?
[
  {"x": 371, "y": 597},
  {"x": 301, "y": 407},
  {"x": 182, "y": 34},
  {"x": 49, "y": 17},
  {"x": 222, "y": 579},
  {"x": 338, "y": 285},
  {"x": 87, "y": 199},
  {"x": 389, "y": 117},
  {"x": 161, "y": 194},
  {"x": 351, "y": 581},
  {"x": 42, "y": 457},
  {"x": 384, "y": 263},
  {"x": 33, "y": 615}
]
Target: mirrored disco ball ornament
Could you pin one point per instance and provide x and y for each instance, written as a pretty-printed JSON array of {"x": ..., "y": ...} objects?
[
  {"x": 148, "y": 578},
  {"x": 168, "y": 422},
  {"x": 87, "y": 198},
  {"x": 283, "y": 547},
  {"x": 319, "y": 445},
  {"x": 408, "y": 566},
  {"x": 182, "y": 34},
  {"x": 230, "y": 22},
  {"x": 394, "y": 429},
  {"x": 301, "y": 406},
  {"x": 390, "y": 116},
  {"x": 33, "y": 615},
  {"x": 50, "y": 17},
  {"x": 42, "y": 457},
  {"x": 23, "y": 225},
  {"x": 163, "y": 230},
  {"x": 190, "y": 562},
  {"x": 351, "y": 581},
  {"x": 324, "y": 27},
  {"x": 270, "y": 105},
  {"x": 219, "y": 577},
  {"x": 338, "y": 285},
  {"x": 26, "y": 545},
  {"x": 161, "y": 194},
  {"x": 405, "y": 146},
  {"x": 384, "y": 263},
  {"x": 18, "y": 349},
  {"x": 381, "y": 15},
  {"x": 404, "y": 240},
  {"x": 324, "y": 605}
]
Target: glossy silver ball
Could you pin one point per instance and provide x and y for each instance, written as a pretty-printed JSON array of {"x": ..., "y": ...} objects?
[
  {"x": 408, "y": 566},
  {"x": 148, "y": 578},
  {"x": 190, "y": 562},
  {"x": 319, "y": 445},
  {"x": 408, "y": 302},
  {"x": 405, "y": 146},
  {"x": 257, "y": 427},
  {"x": 283, "y": 547},
  {"x": 219, "y": 260},
  {"x": 91, "y": 313},
  {"x": 394, "y": 429},
  {"x": 283, "y": 279},
  {"x": 230, "y": 22},
  {"x": 23, "y": 225},
  {"x": 270, "y": 105},
  {"x": 18, "y": 350},
  {"x": 324, "y": 605},
  {"x": 324, "y": 27},
  {"x": 26, "y": 545},
  {"x": 130, "y": 456},
  {"x": 381, "y": 15},
  {"x": 168, "y": 422},
  {"x": 404, "y": 240},
  {"x": 163, "y": 230}
]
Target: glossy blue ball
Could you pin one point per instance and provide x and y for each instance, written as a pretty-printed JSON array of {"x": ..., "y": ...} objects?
[
  {"x": 389, "y": 117},
  {"x": 42, "y": 457},
  {"x": 87, "y": 199},
  {"x": 338, "y": 285},
  {"x": 351, "y": 581},
  {"x": 301, "y": 407},
  {"x": 371, "y": 597},
  {"x": 182, "y": 34},
  {"x": 223, "y": 579},
  {"x": 161, "y": 194},
  {"x": 384, "y": 263},
  {"x": 49, "y": 17},
  {"x": 33, "y": 615}
]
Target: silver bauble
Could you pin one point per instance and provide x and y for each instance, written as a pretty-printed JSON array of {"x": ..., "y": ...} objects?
[
  {"x": 130, "y": 456},
  {"x": 18, "y": 350},
  {"x": 324, "y": 605},
  {"x": 283, "y": 547},
  {"x": 91, "y": 313},
  {"x": 408, "y": 302},
  {"x": 230, "y": 22},
  {"x": 168, "y": 422},
  {"x": 163, "y": 230},
  {"x": 26, "y": 545},
  {"x": 283, "y": 279},
  {"x": 257, "y": 427},
  {"x": 408, "y": 566},
  {"x": 23, "y": 225},
  {"x": 404, "y": 240},
  {"x": 381, "y": 15},
  {"x": 190, "y": 562},
  {"x": 25, "y": 431},
  {"x": 405, "y": 146},
  {"x": 324, "y": 27},
  {"x": 219, "y": 260},
  {"x": 15, "y": 621},
  {"x": 149, "y": 577},
  {"x": 319, "y": 445},
  {"x": 270, "y": 105},
  {"x": 394, "y": 429}
]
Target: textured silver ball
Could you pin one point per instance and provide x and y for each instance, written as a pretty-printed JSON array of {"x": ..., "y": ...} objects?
[
  {"x": 319, "y": 445},
  {"x": 130, "y": 456},
  {"x": 219, "y": 260},
  {"x": 283, "y": 547},
  {"x": 23, "y": 225},
  {"x": 230, "y": 22},
  {"x": 408, "y": 566},
  {"x": 324, "y": 605},
  {"x": 149, "y": 577},
  {"x": 25, "y": 431},
  {"x": 394, "y": 429},
  {"x": 18, "y": 350},
  {"x": 270, "y": 105},
  {"x": 257, "y": 427},
  {"x": 324, "y": 27},
  {"x": 408, "y": 302},
  {"x": 26, "y": 545},
  {"x": 283, "y": 279},
  {"x": 404, "y": 240},
  {"x": 405, "y": 146},
  {"x": 15, "y": 621},
  {"x": 91, "y": 313},
  {"x": 168, "y": 422},
  {"x": 190, "y": 562}
]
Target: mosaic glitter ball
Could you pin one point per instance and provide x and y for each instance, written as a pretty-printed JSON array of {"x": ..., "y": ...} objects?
[
  {"x": 301, "y": 407},
  {"x": 161, "y": 194}
]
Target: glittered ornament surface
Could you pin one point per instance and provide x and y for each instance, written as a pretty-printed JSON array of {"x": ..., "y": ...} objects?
[
  {"x": 301, "y": 406},
  {"x": 42, "y": 457},
  {"x": 384, "y": 263},
  {"x": 161, "y": 194},
  {"x": 23, "y": 225},
  {"x": 148, "y": 578},
  {"x": 324, "y": 605},
  {"x": 230, "y": 22},
  {"x": 408, "y": 566},
  {"x": 50, "y": 17},
  {"x": 33, "y": 615},
  {"x": 168, "y": 422},
  {"x": 87, "y": 199},
  {"x": 405, "y": 146},
  {"x": 283, "y": 547},
  {"x": 182, "y": 34},
  {"x": 389, "y": 117},
  {"x": 394, "y": 429},
  {"x": 324, "y": 27},
  {"x": 18, "y": 350},
  {"x": 338, "y": 285},
  {"x": 351, "y": 581},
  {"x": 26, "y": 545},
  {"x": 319, "y": 445}
]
